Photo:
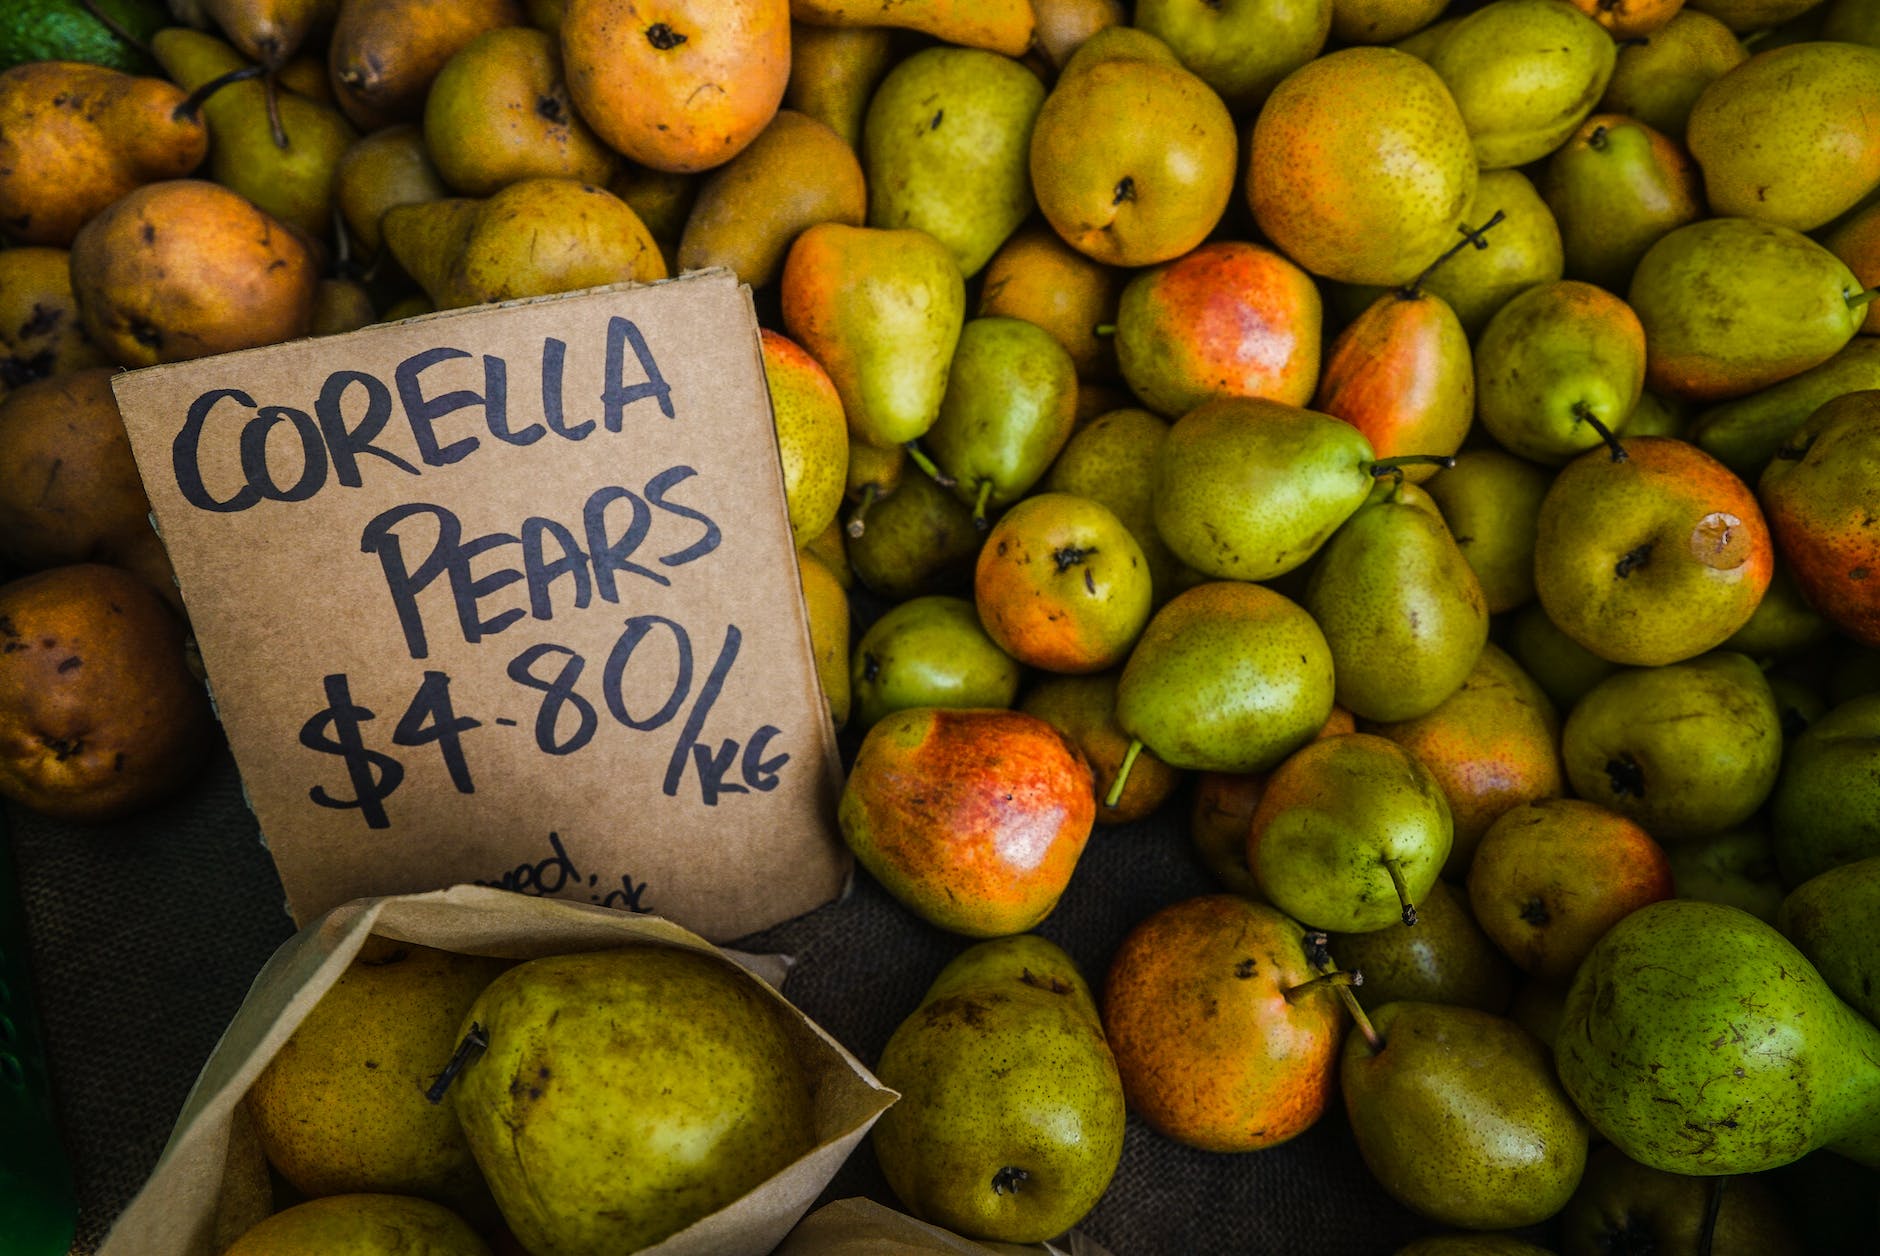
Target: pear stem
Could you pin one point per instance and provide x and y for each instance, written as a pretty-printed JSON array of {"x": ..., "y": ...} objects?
[
  {"x": 1320, "y": 958},
  {"x": 1394, "y": 466},
  {"x": 1862, "y": 298},
  {"x": 918, "y": 456},
  {"x": 857, "y": 524},
  {"x": 1713, "y": 1205},
  {"x": 1372, "y": 1039},
  {"x": 1324, "y": 981},
  {"x": 979, "y": 507},
  {"x": 1403, "y": 891},
  {"x": 111, "y": 24},
  {"x": 1103, "y": 329},
  {"x": 274, "y": 114},
  {"x": 1470, "y": 235},
  {"x": 474, "y": 1044},
  {"x": 193, "y": 103},
  {"x": 1584, "y": 413},
  {"x": 1122, "y": 773}
]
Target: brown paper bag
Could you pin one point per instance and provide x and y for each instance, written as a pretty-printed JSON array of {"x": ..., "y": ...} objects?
[
  {"x": 175, "y": 1213},
  {"x": 862, "y": 1227}
]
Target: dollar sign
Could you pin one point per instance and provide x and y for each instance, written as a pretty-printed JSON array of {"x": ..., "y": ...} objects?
[{"x": 336, "y": 731}]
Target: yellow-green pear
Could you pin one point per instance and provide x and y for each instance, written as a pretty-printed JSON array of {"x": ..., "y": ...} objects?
[
  {"x": 1005, "y": 26},
  {"x": 828, "y": 609},
  {"x": 1657, "y": 78},
  {"x": 833, "y": 72},
  {"x": 1525, "y": 74},
  {"x": 1492, "y": 501},
  {"x": 812, "y": 438},
  {"x": 383, "y": 169},
  {"x": 1240, "y": 48},
  {"x": 361, "y": 1225}
]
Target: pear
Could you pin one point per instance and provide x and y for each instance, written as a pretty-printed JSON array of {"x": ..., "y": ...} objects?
[
  {"x": 387, "y": 168},
  {"x": 1247, "y": 489},
  {"x": 1736, "y": 867},
  {"x": 385, "y": 53},
  {"x": 1746, "y": 433},
  {"x": 1492, "y": 502},
  {"x": 1010, "y": 402},
  {"x": 269, "y": 31},
  {"x": 1558, "y": 369},
  {"x": 1658, "y": 78},
  {"x": 1349, "y": 834},
  {"x": 535, "y": 237},
  {"x": 795, "y": 174},
  {"x": 828, "y": 547},
  {"x": 361, "y": 1225},
  {"x": 1111, "y": 460},
  {"x": 1830, "y": 917},
  {"x": 1039, "y": 278},
  {"x": 1382, "y": 21},
  {"x": 812, "y": 436},
  {"x": 1825, "y": 811},
  {"x": 1525, "y": 73},
  {"x": 929, "y": 652},
  {"x": 1617, "y": 188},
  {"x": 1787, "y": 136},
  {"x": 827, "y": 607},
  {"x": 1561, "y": 666},
  {"x": 833, "y": 73},
  {"x": 1240, "y": 50},
  {"x": 1065, "y": 25},
  {"x": 1686, "y": 749},
  {"x": 1445, "y": 959},
  {"x": 1819, "y": 494},
  {"x": 1401, "y": 374},
  {"x": 40, "y": 333},
  {"x": 1523, "y": 250},
  {"x": 946, "y": 145},
  {"x": 1227, "y": 677},
  {"x": 668, "y": 1059},
  {"x": 919, "y": 539},
  {"x": 1622, "y": 1206},
  {"x": 1731, "y": 305},
  {"x": 1360, "y": 167},
  {"x": 1700, "y": 1041},
  {"x": 341, "y": 1107},
  {"x": 1061, "y": 585},
  {"x": 499, "y": 111},
  {"x": 1401, "y": 610},
  {"x": 1004, "y": 26},
  {"x": 294, "y": 180},
  {"x": 882, "y": 311},
  {"x": 1010, "y": 1122},
  {"x": 1472, "y": 1245},
  {"x": 872, "y": 474},
  {"x": 1457, "y": 1114},
  {"x": 1083, "y": 708}
]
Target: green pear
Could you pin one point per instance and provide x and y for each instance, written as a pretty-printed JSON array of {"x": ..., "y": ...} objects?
[
  {"x": 1787, "y": 137},
  {"x": 1736, "y": 867},
  {"x": 881, "y": 310},
  {"x": 834, "y": 71},
  {"x": 291, "y": 176},
  {"x": 1401, "y": 611},
  {"x": 1782, "y": 624},
  {"x": 1010, "y": 404},
  {"x": 1825, "y": 810},
  {"x": 1731, "y": 305},
  {"x": 1558, "y": 368},
  {"x": 1746, "y": 433},
  {"x": 361, "y": 1225},
  {"x": 1564, "y": 668},
  {"x": 1247, "y": 489},
  {"x": 1111, "y": 460},
  {"x": 1658, "y": 77},
  {"x": 1350, "y": 833},
  {"x": 1445, "y": 959},
  {"x": 1240, "y": 48},
  {"x": 1622, "y": 1206},
  {"x": 1684, "y": 750},
  {"x": 947, "y": 148},
  {"x": 1457, "y": 1114},
  {"x": 341, "y": 1107},
  {"x": 1423, "y": 43},
  {"x": 1083, "y": 708},
  {"x": 666, "y": 1059},
  {"x": 1228, "y": 677},
  {"x": 928, "y": 652},
  {"x": 1010, "y": 1121},
  {"x": 1658, "y": 416},
  {"x": 1616, "y": 188},
  {"x": 920, "y": 539},
  {"x": 1492, "y": 501},
  {"x": 1525, "y": 74},
  {"x": 1698, "y": 1040},
  {"x": 1830, "y": 917}
]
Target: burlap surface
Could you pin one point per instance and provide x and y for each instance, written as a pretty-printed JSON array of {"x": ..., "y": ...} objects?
[{"x": 146, "y": 936}]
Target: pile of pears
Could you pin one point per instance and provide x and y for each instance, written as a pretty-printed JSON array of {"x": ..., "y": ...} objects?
[{"x": 1440, "y": 441}]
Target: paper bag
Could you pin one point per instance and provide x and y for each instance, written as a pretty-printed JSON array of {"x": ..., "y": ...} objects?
[
  {"x": 507, "y": 596},
  {"x": 862, "y": 1227},
  {"x": 175, "y": 1213}
]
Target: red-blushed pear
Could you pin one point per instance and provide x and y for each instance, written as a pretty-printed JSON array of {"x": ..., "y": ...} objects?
[
  {"x": 973, "y": 819},
  {"x": 1227, "y": 320},
  {"x": 1550, "y": 877},
  {"x": 1822, "y": 495},
  {"x": 1651, "y": 552},
  {"x": 1225, "y": 1031},
  {"x": 1062, "y": 585}
]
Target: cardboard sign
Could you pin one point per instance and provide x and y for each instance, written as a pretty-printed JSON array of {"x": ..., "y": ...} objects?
[{"x": 507, "y": 596}]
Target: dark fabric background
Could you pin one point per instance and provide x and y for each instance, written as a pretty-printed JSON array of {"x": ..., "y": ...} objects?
[{"x": 147, "y": 934}]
